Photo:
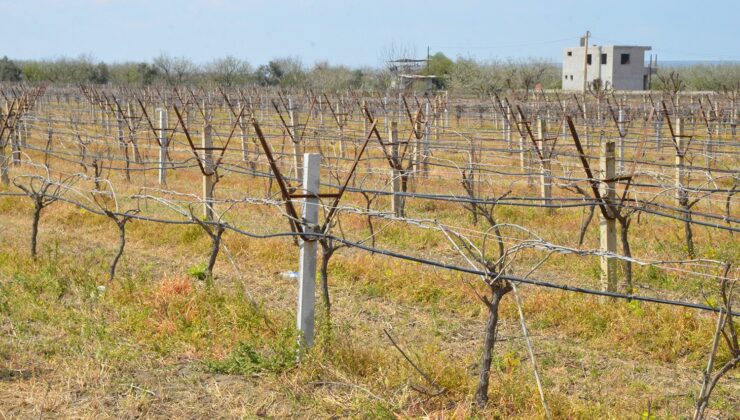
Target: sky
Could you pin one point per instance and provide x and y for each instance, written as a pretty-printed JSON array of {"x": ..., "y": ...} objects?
[{"x": 359, "y": 33}]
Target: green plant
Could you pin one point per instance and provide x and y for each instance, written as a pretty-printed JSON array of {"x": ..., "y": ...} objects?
[{"x": 198, "y": 271}]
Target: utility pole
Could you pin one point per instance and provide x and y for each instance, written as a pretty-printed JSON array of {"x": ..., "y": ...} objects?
[
  {"x": 428, "y": 58},
  {"x": 585, "y": 61}
]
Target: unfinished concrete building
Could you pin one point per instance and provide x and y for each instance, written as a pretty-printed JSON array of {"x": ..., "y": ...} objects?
[{"x": 619, "y": 67}]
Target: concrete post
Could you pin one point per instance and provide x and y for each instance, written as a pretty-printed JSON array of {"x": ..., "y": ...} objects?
[
  {"x": 119, "y": 127},
  {"x": 243, "y": 134},
  {"x": 308, "y": 248},
  {"x": 163, "y": 139},
  {"x": 15, "y": 147},
  {"x": 545, "y": 170},
  {"x": 621, "y": 127},
  {"x": 209, "y": 179},
  {"x": 507, "y": 128},
  {"x": 3, "y": 158},
  {"x": 425, "y": 144},
  {"x": 680, "y": 156},
  {"x": 295, "y": 130},
  {"x": 397, "y": 204},
  {"x": 607, "y": 226}
]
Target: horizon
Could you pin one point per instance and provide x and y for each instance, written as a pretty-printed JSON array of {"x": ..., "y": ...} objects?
[{"x": 120, "y": 31}]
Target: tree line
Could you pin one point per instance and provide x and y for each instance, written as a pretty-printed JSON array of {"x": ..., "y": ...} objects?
[{"x": 462, "y": 75}]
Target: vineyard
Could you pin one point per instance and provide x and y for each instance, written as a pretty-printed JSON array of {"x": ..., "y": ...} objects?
[{"x": 256, "y": 252}]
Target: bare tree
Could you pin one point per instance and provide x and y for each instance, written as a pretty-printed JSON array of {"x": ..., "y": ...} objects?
[
  {"x": 176, "y": 70},
  {"x": 229, "y": 71}
]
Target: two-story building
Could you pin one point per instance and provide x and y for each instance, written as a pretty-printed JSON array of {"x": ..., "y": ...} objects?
[{"x": 620, "y": 67}]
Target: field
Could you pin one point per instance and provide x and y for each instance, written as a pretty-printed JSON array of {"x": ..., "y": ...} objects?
[{"x": 610, "y": 284}]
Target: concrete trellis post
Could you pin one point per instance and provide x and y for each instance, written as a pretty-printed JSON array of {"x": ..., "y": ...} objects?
[
  {"x": 23, "y": 133},
  {"x": 607, "y": 225},
  {"x": 397, "y": 203},
  {"x": 308, "y": 248},
  {"x": 620, "y": 127},
  {"x": 243, "y": 134},
  {"x": 545, "y": 169},
  {"x": 425, "y": 143},
  {"x": 119, "y": 126},
  {"x": 209, "y": 180},
  {"x": 680, "y": 156},
  {"x": 398, "y": 108},
  {"x": 15, "y": 146},
  {"x": 3, "y": 158},
  {"x": 321, "y": 112},
  {"x": 507, "y": 127},
  {"x": 163, "y": 139},
  {"x": 295, "y": 130}
]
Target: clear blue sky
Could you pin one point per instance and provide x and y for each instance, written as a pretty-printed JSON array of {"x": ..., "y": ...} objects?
[{"x": 356, "y": 32}]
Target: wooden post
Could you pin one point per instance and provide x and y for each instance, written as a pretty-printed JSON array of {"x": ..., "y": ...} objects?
[
  {"x": 307, "y": 259},
  {"x": 545, "y": 170},
  {"x": 209, "y": 179},
  {"x": 607, "y": 226},
  {"x": 397, "y": 204},
  {"x": 162, "y": 146}
]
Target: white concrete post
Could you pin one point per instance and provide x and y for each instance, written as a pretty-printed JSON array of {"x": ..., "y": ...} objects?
[
  {"x": 162, "y": 146},
  {"x": 507, "y": 128},
  {"x": 296, "y": 133},
  {"x": 307, "y": 259},
  {"x": 15, "y": 146},
  {"x": 243, "y": 134},
  {"x": 425, "y": 144},
  {"x": 545, "y": 169},
  {"x": 397, "y": 203},
  {"x": 341, "y": 128},
  {"x": 607, "y": 226},
  {"x": 680, "y": 156},
  {"x": 119, "y": 128},
  {"x": 209, "y": 179},
  {"x": 620, "y": 124}
]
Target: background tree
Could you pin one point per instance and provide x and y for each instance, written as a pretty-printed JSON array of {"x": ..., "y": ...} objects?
[
  {"x": 176, "y": 70},
  {"x": 440, "y": 66},
  {"x": 9, "y": 71},
  {"x": 229, "y": 71}
]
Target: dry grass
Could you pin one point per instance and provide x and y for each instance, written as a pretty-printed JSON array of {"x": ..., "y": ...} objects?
[{"x": 158, "y": 343}]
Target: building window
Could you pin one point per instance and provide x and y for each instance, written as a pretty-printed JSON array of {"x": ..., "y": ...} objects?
[
  {"x": 566, "y": 77},
  {"x": 588, "y": 59},
  {"x": 603, "y": 59},
  {"x": 625, "y": 59},
  {"x": 570, "y": 53},
  {"x": 571, "y": 77}
]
